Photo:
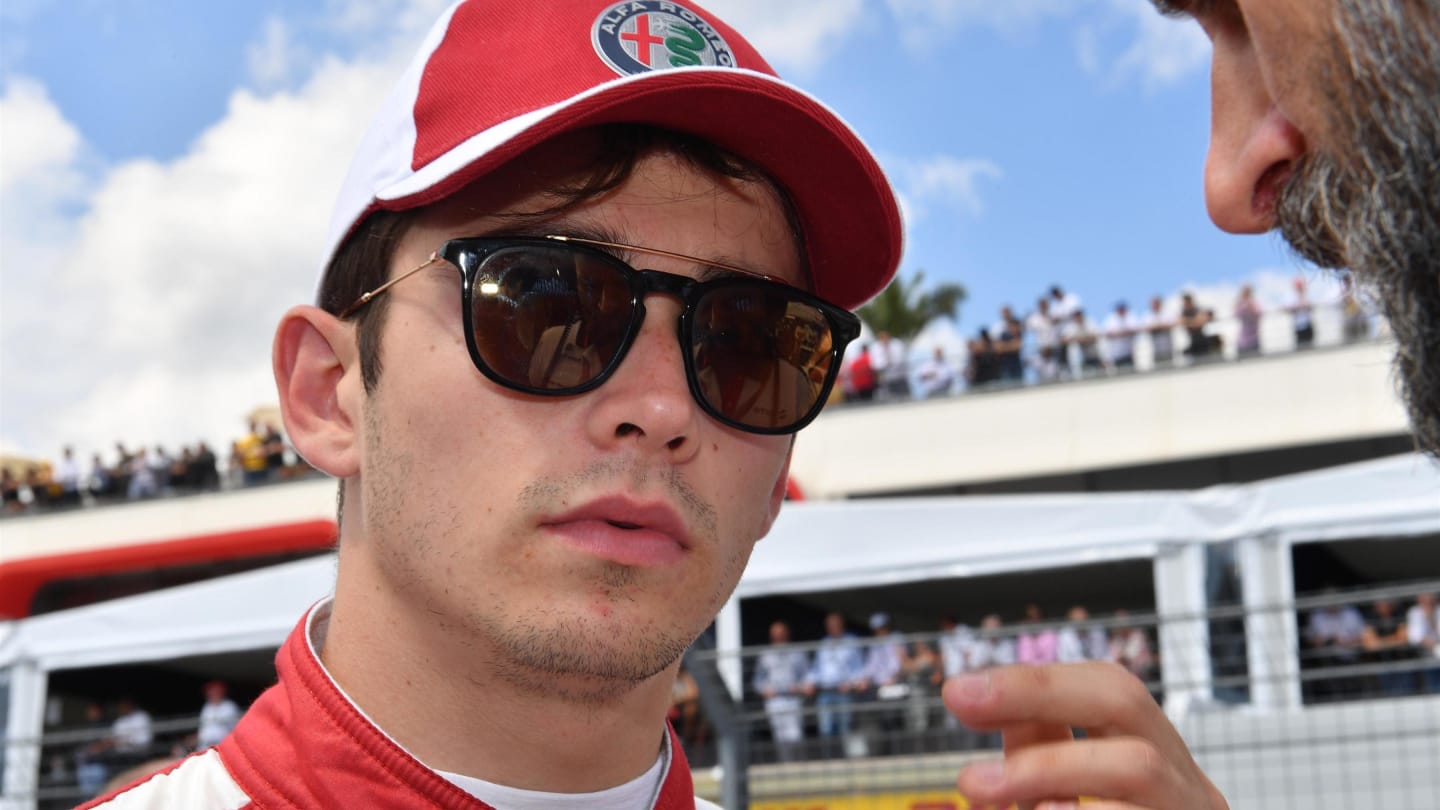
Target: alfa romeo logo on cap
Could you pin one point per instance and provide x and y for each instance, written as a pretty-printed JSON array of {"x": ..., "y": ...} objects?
[{"x": 646, "y": 35}]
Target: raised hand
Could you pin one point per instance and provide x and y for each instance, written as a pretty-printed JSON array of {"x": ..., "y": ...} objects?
[{"x": 1131, "y": 757}]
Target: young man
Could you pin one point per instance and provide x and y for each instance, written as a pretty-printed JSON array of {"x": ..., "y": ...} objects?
[
  {"x": 780, "y": 679},
  {"x": 525, "y": 554},
  {"x": 1324, "y": 126},
  {"x": 1159, "y": 326},
  {"x": 217, "y": 717},
  {"x": 1120, "y": 330}
]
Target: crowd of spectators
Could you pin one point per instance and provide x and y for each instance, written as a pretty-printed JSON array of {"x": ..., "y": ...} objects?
[
  {"x": 880, "y": 694},
  {"x": 853, "y": 695},
  {"x": 1055, "y": 341},
  {"x": 1381, "y": 651},
  {"x": 138, "y": 473},
  {"x": 1059, "y": 340},
  {"x": 115, "y": 744}
]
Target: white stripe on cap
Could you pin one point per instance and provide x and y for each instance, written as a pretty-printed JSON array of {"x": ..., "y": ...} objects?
[{"x": 386, "y": 152}]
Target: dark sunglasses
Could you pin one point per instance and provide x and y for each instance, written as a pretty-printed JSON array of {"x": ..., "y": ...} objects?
[{"x": 555, "y": 316}]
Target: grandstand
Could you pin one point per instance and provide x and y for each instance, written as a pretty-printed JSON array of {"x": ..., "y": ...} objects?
[{"x": 1214, "y": 504}]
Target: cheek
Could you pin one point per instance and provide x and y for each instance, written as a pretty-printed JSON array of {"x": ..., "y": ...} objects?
[
  {"x": 429, "y": 388},
  {"x": 750, "y": 483},
  {"x": 1293, "y": 51},
  {"x": 427, "y": 445}
]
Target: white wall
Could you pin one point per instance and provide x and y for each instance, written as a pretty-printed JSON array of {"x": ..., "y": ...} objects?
[{"x": 1229, "y": 407}]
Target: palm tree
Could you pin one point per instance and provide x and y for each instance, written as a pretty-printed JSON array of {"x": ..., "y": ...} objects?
[{"x": 903, "y": 308}]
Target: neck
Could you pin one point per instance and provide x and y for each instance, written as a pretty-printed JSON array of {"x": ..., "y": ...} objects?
[{"x": 450, "y": 698}]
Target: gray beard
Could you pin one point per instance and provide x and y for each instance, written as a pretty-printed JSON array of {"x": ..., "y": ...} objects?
[{"x": 1375, "y": 206}]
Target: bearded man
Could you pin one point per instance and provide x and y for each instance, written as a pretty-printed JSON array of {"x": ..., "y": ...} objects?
[{"x": 1324, "y": 126}]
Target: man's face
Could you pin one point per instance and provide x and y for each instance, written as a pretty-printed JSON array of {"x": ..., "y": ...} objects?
[
  {"x": 1323, "y": 126},
  {"x": 834, "y": 625},
  {"x": 779, "y": 633},
  {"x": 586, "y": 539}
]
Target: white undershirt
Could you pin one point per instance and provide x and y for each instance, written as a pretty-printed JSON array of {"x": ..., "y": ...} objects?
[{"x": 640, "y": 792}]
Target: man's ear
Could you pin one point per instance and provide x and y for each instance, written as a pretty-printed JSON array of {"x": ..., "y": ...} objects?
[{"x": 317, "y": 374}]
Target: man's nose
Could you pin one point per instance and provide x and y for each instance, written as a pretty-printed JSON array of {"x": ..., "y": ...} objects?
[
  {"x": 647, "y": 401},
  {"x": 1253, "y": 146}
]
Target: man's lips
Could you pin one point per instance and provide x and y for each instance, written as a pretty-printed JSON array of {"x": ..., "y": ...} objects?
[{"x": 624, "y": 531}]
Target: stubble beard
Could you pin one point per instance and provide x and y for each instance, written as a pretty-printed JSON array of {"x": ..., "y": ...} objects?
[
  {"x": 584, "y": 661},
  {"x": 549, "y": 652},
  {"x": 1372, "y": 202}
]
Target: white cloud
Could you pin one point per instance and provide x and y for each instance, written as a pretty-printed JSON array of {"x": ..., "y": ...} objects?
[
  {"x": 274, "y": 60},
  {"x": 151, "y": 312},
  {"x": 942, "y": 181},
  {"x": 43, "y": 163},
  {"x": 382, "y": 27},
  {"x": 361, "y": 16},
  {"x": 39, "y": 142},
  {"x": 1115, "y": 39},
  {"x": 1164, "y": 50},
  {"x": 794, "y": 35},
  {"x": 1087, "y": 50},
  {"x": 923, "y": 22}
]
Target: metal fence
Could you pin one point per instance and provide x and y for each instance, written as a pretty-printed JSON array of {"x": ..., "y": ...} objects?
[
  {"x": 1347, "y": 723},
  {"x": 1332, "y": 324},
  {"x": 1351, "y": 724},
  {"x": 70, "y": 773}
]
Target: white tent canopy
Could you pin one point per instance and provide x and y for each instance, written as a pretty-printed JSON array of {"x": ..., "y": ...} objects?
[
  {"x": 826, "y": 546},
  {"x": 248, "y": 611}
]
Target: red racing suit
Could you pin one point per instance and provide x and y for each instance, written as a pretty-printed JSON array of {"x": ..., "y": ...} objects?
[{"x": 304, "y": 746}]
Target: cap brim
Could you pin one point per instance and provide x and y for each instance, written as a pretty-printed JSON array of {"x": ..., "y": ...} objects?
[{"x": 844, "y": 202}]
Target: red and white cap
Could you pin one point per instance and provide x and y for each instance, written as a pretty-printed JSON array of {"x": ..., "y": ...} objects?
[{"x": 494, "y": 79}]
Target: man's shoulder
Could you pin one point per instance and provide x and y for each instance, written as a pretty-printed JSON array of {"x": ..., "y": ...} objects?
[{"x": 199, "y": 782}]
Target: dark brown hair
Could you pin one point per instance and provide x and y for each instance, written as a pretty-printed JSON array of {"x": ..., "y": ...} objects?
[{"x": 362, "y": 261}]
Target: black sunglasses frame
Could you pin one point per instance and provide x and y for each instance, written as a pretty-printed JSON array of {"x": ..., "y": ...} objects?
[{"x": 469, "y": 255}]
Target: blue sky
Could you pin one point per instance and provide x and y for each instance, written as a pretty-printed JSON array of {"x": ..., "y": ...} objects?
[{"x": 167, "y": 167}]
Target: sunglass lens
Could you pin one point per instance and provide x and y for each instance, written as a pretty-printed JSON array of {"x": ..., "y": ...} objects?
[
  {"x": 549, "y": 319},
  {"x": 761, "y": 358}
]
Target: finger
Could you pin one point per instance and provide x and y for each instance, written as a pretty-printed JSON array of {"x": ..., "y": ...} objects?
[
  {"x": 1123, "y": 769},
  {"x": 1101, "y": 697},
  {"x": 1015, "y": 738},
  {"x": 1015, "y": 734},
  {"x": 1025, "y": 735}
]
